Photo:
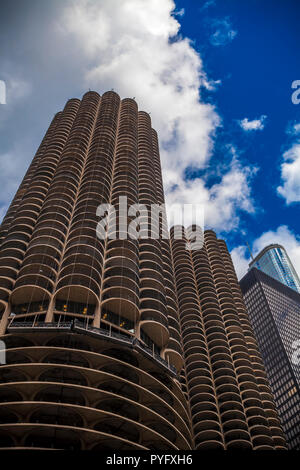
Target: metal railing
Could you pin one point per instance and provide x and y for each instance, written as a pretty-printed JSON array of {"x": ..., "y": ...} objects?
[
  {"x": 34, "y": 324},
  {"x": 80, "y": 326},
  {"x": 101, "y": 331}
]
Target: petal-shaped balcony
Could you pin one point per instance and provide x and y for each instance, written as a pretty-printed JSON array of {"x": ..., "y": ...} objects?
[{"x": 121, "y": 301}]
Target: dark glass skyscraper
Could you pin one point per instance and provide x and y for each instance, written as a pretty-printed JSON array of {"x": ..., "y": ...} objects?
[
  {"x": 274, "y": 311},
  {"x": 119, "y": 343}
]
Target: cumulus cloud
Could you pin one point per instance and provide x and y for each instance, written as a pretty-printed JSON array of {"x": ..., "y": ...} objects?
[
  {"x": 135, "y": 48},
  {"x": 221, "y": 31},
  {"x": 129, "y": 48},
  {"x": 290, "y": 173},
  {"x": 293, "y": 129},
  {"x": 282, "y": 235},
  {"x": 221, "y": 201},
  {"x": 254, "y": 125},
  {"x": 240, "y": 258}
]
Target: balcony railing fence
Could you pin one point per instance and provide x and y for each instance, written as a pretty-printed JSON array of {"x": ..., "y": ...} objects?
[{"x": 79, "y": 326}]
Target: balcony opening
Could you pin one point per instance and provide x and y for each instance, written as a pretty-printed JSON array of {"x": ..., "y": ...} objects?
[
  {"x": 56, "y": 415},
  {"x": 30, "y": 307},
  {"x": 74, "y": 307},
  {"x": 53, "y": 439},
  {"x": 60, "y": 394},
  {"x": 118, "y": 428},
  {"x": 121, "y": 322},
  {"x": 64, "y": 375},
  {"x": 119, "y": 407}
]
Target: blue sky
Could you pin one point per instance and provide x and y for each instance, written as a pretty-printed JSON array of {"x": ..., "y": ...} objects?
[
  {"x": 216, "y": 77},
  {"x": 256, "y": 64}
]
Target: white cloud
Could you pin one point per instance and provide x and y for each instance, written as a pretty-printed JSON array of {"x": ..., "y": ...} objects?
[
  {"x": 293, "y": 129},
  {"x": 290, "y": 175},
  {"x": 126, "y": 46},
  {"x": 282, "y": 235},
  {"x": 254, "y": 125},
  {"x": 290, "y": 168},
  {"x": 221, "y": 201},
  {"x": 240, "y": 259},
  {"x": 222, "y": 32},
  {"x": 180, "y": 12}
]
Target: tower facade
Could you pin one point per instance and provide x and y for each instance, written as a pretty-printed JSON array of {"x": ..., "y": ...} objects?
[
  {"x": 232, "y": 406},
  {"x": 93, "y": 327},
  {"x": 274, "y": 312},
  {"x": 274, "y": 261}
]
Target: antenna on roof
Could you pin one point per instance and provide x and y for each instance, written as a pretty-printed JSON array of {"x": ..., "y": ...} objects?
[{"x": 249, "y": 250}]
